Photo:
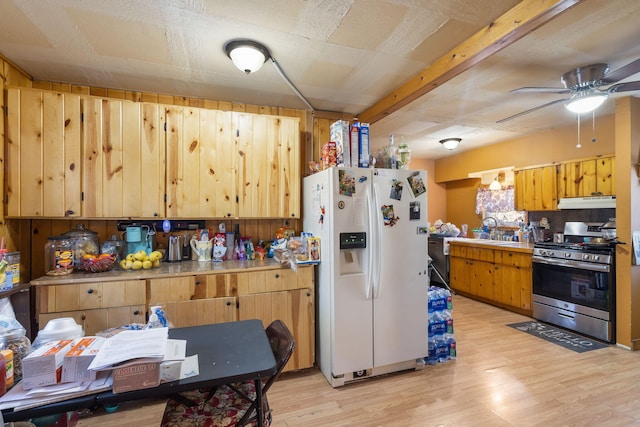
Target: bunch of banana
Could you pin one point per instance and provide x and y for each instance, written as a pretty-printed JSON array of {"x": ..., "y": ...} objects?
[{"x": 140, "y": 260}]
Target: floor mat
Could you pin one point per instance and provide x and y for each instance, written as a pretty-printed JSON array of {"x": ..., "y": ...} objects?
[{"x": 577, "y": 343}]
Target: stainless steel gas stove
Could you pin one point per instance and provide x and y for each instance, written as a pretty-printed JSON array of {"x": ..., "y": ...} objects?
[{"x": 574, "y": 282}]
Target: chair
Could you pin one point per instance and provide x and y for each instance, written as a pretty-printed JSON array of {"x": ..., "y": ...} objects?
[{"x": 230, "y": 404}]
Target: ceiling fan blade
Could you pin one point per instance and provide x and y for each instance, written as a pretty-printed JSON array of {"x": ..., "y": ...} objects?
[
  {"x": 541, "y": 90},
  {"x": 621, "y": 73},
  {"x": 557, "y": 101},
  {"x": 624, "y": 87}
]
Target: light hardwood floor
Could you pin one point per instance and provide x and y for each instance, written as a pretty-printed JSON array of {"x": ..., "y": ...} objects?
[{"x": 502, "y": 377}]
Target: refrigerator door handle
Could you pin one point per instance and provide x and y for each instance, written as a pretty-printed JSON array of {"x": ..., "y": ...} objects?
[
  {"x": 376, "y": 244},
  {"x": 370, "y": 251}
]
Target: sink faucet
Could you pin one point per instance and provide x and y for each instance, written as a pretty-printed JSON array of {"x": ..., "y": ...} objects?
[{"x": 495, "y": 221}]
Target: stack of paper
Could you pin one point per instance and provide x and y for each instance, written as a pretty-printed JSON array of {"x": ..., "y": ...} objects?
[{"x": 128, "y": 345}]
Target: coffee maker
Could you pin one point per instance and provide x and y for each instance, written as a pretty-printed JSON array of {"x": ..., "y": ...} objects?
[{"x": 139, "y": 237}]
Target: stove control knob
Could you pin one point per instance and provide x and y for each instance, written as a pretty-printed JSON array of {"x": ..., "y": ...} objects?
[
  {"x": 595, "y": 257},
  {"x": 585, "y": 257},
  {"x": 567, "y": 254}
]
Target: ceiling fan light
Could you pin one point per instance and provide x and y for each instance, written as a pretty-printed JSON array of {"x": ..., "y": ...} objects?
[
  {"x": 247, "y": 55},
  {"x": 450, "y": 143},
  {"x": 586, "y": 103}
]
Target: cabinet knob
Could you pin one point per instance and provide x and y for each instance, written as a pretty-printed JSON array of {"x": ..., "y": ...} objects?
[
  {"x": 83, "y": 317},
  {"x": 308, "y": 294},
  {"x": 69, "y": 212},
  {"x": 277, "y": 276},
  {"x": 228, "y": 303},
  {"x": 197, "y": 282},
  {"x": 136, "y": 312},
  {"x": 155, "y": 214},
  {"x": 90, "y": 291}
]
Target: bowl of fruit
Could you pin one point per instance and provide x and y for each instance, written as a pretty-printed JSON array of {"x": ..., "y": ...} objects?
[
  {"x": 97, "y": 263},
  {"x": 141, "y": 260}
]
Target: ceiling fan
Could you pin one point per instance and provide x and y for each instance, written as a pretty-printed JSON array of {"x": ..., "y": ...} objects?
[{"x": 584, "y": 84}]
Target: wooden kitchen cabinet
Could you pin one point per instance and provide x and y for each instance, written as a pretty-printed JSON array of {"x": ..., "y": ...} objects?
[
  {"x": 201, "y": 163},
  {"x": 496, "y": 275},
  {"x": 43, "y": 154},
  {"x": 590, "y": 177},
  {"x": 268, "y": 165},
  {"x": 95, "y": 306},
  {"x": 536, "y": 189},
  {"x": 123, "y": 155},
  {"x": 264, "y": 294},
  {"x": 294, "y": 306},
  {"x": 195, "y": 300},
  {"x": 513, "y": 276}
]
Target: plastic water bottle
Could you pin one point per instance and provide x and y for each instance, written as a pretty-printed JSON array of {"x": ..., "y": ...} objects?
[
  {"x": 449, "y": 299},
  {"x": 451, "y": 347},
  {"x": 442, "y": 349},
  {"x": 431, "y": 358},
  {"x": 448, "y": 318}
]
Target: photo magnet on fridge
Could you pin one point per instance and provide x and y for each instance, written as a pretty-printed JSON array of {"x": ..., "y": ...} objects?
[
  {"x": 416, "y": 184},
  {"x": 389, "y": 216},
  {"x": 347, "y": 183},
  {"x": 396, "y": 190},
  {"x": 414, "y": 210}
]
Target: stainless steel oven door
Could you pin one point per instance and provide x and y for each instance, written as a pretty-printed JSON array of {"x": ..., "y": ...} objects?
[{"x": 581, "y": 283}]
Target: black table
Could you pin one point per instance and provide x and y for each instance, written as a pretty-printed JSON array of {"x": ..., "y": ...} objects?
[{"x": 227, "y": 353}]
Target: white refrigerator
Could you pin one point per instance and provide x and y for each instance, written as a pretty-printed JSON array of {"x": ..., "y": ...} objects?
[{"x": 372, "y": 283}]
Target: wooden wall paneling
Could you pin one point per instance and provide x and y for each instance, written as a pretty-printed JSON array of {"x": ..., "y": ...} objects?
[
  {"x": 191, "y": 188},
  {"x": 272, "y": 142},
  {"x": 225, "y": 165},
  {"x": 207, "y": 205},
  {"x": 605, "y": 178},
  {"x": 589, "y": 178},
  {"x": 112, "y": 153},
  {"x": 12, "y": 154},
  {"x": 248, "y": 155},
  {"x": 92, "y": 156},
  {"x": 135, "y": 189},
  {"x": 173, "y": 117},
  {"x": 261, "y": 168},
  {"x": 153, "y": 161},
  {"x": 72, "y": 156},
  {"x": 53, "y": 150},
  {"x": 31, "y": 142},
  {"x": 290, "y": 153}
]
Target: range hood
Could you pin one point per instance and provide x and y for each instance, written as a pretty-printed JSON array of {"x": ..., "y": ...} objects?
[{"x": 593, "y": 202}]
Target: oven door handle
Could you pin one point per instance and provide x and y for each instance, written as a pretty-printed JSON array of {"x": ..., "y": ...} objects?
[{"x": 602, "y": 268}]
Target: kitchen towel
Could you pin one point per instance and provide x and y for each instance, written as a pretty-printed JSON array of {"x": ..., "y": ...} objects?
[{"x": 559, "y": 336}]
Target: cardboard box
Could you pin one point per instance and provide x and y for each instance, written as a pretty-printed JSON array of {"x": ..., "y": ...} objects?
[
  {"x": 136, "y": 376},
  {"x": 354, "y": 136},
  {"x": 44, "y": 365},
  {"x": 329, "y": 155},
  {"x": 363, "y": 146},
  {"x": 77, "y": 360},
  {"x": 339, "y": 133}
]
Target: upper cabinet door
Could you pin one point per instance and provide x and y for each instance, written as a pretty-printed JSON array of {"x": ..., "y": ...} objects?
[
  {"x": 201, "y": 165},
  {"x": 123, "y": 159},
  {"x": 591, "y": 177},
  {"x": 43, "y": 153},
  {"x": 268, "y": 166}
]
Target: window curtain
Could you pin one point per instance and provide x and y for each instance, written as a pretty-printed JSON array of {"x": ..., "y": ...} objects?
[{"x": 494, "y": 200}]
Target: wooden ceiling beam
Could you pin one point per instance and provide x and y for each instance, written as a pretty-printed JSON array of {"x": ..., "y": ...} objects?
[{"x": 516, "y": 23}]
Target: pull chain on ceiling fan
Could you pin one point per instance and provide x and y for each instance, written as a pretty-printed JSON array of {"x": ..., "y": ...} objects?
[{"x": 585, "y": 86}]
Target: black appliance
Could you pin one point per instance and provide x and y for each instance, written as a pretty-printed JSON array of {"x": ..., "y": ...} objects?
[
  {"x": 574, "y": 282},
  {"x": 437, "y": 251}
]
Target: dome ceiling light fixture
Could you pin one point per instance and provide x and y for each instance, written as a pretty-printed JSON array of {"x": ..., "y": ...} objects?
[
  {"x": 249, "y": 55},
  {"x": 586, "y": 101},
  {"x": 450, "y": 143}
]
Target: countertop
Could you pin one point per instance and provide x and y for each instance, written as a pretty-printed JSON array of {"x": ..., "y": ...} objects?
[
  {"x": 494, "y": 244},
  {"x": 166, "y": 269}
]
